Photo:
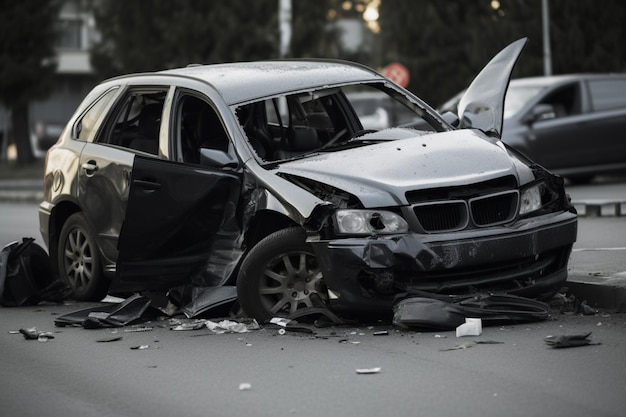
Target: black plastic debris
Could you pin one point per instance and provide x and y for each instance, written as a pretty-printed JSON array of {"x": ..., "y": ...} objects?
[
  {"x": 26, "y": 275},
  {"x": 34, "y": 334},
  {"x": 208, "y": 299},
  {"x": 567, "y": 341},
  {"x": 110, "y": 315},
  {"x": 435, "y": 312}
]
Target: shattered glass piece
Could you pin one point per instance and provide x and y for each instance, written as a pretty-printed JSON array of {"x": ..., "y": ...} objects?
[{"x": 366, "y": 371}]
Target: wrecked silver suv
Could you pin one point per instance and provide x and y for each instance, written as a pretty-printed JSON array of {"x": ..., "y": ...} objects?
[{"x": 261, "y": 175}]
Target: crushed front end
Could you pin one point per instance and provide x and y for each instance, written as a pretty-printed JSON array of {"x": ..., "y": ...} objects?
[{"x": 493, "y": 236}]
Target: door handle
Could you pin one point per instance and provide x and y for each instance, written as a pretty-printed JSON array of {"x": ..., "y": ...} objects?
[{"x": 90, "y": 168}]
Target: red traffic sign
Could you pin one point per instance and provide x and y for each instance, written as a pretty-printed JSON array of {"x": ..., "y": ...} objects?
[{"x": 397, "y": 73}]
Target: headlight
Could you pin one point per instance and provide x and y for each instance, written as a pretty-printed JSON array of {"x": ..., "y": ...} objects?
[
  {"x": 530, "y": 199},
  {"x": 368, "y": 222}
]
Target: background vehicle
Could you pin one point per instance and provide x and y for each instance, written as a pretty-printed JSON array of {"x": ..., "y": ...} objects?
[
  {"x": 262, "y": 174},
  {"x": 571, "y": 124}
]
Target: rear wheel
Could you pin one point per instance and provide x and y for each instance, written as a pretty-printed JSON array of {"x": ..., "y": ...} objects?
[
  {"x": 280, "y": 276},
  {"x": 79, "y": 260}
]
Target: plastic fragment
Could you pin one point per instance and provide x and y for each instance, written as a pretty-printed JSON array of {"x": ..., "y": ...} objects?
[
  {"x": 567, "y": 341},
  {"x": 459, "y": 347},
  {"x": 245, "y": 386},
  {"x": 367, "y": 371},
  {"x": 33, "y": 334},
  {"x": 109, "y": 339},
  {"x": 280, "y": 321},
  {"x": 140, "y": 347},
  {"x": 471, "y": 327}
]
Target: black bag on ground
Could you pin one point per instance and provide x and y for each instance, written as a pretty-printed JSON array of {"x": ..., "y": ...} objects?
[{"x": 26, "y": 275}]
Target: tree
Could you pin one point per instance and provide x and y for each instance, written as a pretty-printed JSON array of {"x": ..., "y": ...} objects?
[
  {"x": 446, "y": 43},
  {"x": 27, "y": 62},
  {"x": 151, "y": 35}
]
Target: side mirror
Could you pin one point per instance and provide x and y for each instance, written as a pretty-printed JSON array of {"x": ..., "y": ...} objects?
[
  {"x": 540, "y": 112},
  {"x": 217, "y": 159}
]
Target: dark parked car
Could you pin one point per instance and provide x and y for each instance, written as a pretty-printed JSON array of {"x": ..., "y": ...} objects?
[
  {"x": 571, "y": 124},
  {"x": 261, "y": 174}
]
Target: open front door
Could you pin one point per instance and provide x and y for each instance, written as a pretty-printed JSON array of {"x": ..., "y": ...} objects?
[{"x": 180, "y": 222}]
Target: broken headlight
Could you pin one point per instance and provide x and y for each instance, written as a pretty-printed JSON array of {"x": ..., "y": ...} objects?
[
  {"x": 530, "y": 199},
  {"x": 369, "y": 222}
]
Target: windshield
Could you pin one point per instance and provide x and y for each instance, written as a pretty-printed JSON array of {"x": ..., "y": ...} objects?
[
  {"x": 328, "y": 119},
  {"x": 517, "y": 97}
]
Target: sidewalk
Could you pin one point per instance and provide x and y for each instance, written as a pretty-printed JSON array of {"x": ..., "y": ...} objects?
[{"x": 599, "y": 291}]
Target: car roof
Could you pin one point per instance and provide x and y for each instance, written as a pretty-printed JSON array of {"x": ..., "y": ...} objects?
[
  {"x": 549, "y": 80},
  {"x": 246, "y": 81}
]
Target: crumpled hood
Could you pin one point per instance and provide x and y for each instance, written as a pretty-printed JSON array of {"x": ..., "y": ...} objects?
[
  {"x": 380, "y": 174},
  {"x": 482, "y": 105}
]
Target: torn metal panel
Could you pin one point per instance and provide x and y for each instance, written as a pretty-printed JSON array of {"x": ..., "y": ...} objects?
[
  {"x": 482, "y": 105},
  {"x": 111, "y": 315},
  {"x": 206, "y": 299}
]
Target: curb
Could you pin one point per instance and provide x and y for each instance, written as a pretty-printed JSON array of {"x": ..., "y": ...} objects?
[
  {"x": 599, "y": 291},
  {"x": 20, "y": 196},
  {"x": 598, "y": 208}
]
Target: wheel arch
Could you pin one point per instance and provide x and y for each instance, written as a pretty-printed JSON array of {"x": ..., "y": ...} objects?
[
  {"x": 264, "y": 223},
  {"x": 60, "y": 213}
]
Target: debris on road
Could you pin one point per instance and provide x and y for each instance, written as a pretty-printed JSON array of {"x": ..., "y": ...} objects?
[
  {"x": 367, "y": 371},
  {"x": 223, "y": 326},
  {"x": 109, "y": 339},
  {"x": 566, "y": 341},
  {"x": 471, "y": 327},
  {"x": 140, "y": 347},
  {"x": 245, "y": 386},
  {"x": 466, "y": 345},
  {"x": 34, "y": 334}
]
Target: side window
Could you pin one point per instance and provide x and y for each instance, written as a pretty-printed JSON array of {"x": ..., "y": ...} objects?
[
  {"x": 565, "y": 100},
  {"x": 84, "y": 129},
  {"x": 198, "y": 127},
  {"x": 135, "y": 121},
  {"x": 608, "y": 94}
]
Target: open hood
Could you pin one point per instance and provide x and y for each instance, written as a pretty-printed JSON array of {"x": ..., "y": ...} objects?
[{"x": 482, "y": 105}]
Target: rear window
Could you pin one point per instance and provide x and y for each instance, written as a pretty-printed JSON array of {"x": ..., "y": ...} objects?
[{"x": 608, "y": 94}]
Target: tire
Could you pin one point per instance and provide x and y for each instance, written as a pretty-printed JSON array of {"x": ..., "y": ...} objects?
[
  {"x": 280, "y": 276},
  {"x": 79, "y": 260}
]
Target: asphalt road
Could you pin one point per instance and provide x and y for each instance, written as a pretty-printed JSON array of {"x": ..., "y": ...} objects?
[{"x": 197, "y": 373}]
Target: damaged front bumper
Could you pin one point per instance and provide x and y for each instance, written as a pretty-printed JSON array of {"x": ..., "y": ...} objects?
[{"x": 527, "y": 258}]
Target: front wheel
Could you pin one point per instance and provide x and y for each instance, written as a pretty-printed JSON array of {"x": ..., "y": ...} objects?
[
  {"x": 280, "y": 276},
  {"x": 79, "y": 260}
]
